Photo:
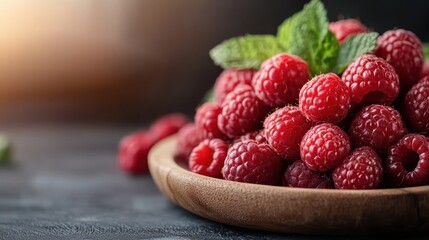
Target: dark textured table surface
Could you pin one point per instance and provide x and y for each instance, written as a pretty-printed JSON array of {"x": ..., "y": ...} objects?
[{"x": 64, "y": 184}]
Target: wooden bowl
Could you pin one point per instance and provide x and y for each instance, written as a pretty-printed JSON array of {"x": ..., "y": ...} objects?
[{"x": 291, "y": 210}]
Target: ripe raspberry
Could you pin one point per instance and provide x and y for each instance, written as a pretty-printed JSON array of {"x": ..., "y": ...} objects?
[
  {"x": 252, "y": 162},
  {"x": 284, "y": 130},
  {"x": 206, "y": 121},
  {"x": 229, "y": 79},
  {"x": 133, "y": 151},
  {"x": 299, "y": 175},
  {"x": 187, "y": 138},
  {"x": 403, "y": 50},
  {"x": 242, "y": 112},
  {"x": 168, "y": 125},
  {"x": 408, "y": 161},
  {"x": 278, "y": 81},
  {"x": 425, "y": 70},
  {"x": 377, "y": 126},
  {"x": 371, "y": 79},
  {"x": 256, "y": 135},
  {"x": 416, "y": 106},
  {"x": 208, "y": 157},
  {"x": 361, "y": 169},
  {"x": 347, "y": 27},
  {"x": 325, "y": 99},
  {"x": 324, "y": 146}
]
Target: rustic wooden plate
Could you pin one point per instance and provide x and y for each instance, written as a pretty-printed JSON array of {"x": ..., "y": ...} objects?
[{"x": 292, "y": 210}]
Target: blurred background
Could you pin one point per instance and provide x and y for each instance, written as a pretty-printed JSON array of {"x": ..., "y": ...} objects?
[{"x": 130, "y": 61}]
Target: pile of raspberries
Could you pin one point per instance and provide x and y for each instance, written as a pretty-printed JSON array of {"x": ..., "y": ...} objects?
[{"x": 365, "y": 129}]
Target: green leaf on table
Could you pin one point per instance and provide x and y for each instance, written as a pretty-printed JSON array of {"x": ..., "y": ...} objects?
[
  {"x": 426, "y": 50},
  {"x": 5, "y": 149},
  {"x": 353, "y": 47},
  {"x": 306, "y": 35},
  {"x": 248, "y": 51}
]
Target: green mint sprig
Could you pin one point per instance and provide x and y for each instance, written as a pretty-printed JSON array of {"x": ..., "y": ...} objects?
[
  {"x": 305, "y": 34},
  {"x": 426, "y": 50}
]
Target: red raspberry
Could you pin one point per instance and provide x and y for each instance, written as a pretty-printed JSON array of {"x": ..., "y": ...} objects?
[
  {"x": 252, "y": 162},
  {"x": 403, "y": 50},
  {"x": 168, "y": 125},
  {"x": 371, "y": 80},
  {"x": 133, "y": 151},
  {"x": 208, "y": 157},
  {"x": 361, "y": 169},
  {"x": 242, "y": 112},
  {"x": 377, "y": 126},
  {"x": 299, "y": 175},
  {"x": 187, "y": 138},
  {"x": 284, "y": 130},
  {"x": 256, "y": 135},
  {"x": 229, "y": 79},
  {"x": 416, "y": 106},
  {"x": 206, "y": 121},
  {"x": 408, "y": 161},
  {"x": 278, "y": 81},
  {"x": 347, "y": 27},
  {"x": 324, "y": 146},
  {"x": 325, "y": 99},
  {"x": 425, "y": 70}
]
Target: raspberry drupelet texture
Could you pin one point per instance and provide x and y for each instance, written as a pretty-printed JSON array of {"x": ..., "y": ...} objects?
[
  {"x": 207, "y": 157},
  {"x": 242, "y": 112},
  {"x": 299, "y": 175},
  {"x": 325, "y": 99},
  {"x": 324, "y": 146},
  {"x": 252, "y": 162},
  {"x": 133, "y": 152},
  {"x": 371, "y": 79},
  {"x": 408, "y": 161},
  {"x": 168, "y": 125},
  {"x": 229, "y": 79},
  {"x": 256, "y": 135},
  {"x": 403, "y": 50},
  {"x": 279, "y": 79},
  {"x": 206, "y": 121},
  {"x": 284, "y": 130},
  {"x": 361, "y": 169},
  {"x": 377, "y": 126},
  {"x": 416, "y": 106},
  {"x": 187, "y": 138},
  {"x": 347, "y": 27}
]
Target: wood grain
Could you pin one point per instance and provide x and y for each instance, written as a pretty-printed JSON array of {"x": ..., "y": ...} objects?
[{"x": 291, "y": 210}]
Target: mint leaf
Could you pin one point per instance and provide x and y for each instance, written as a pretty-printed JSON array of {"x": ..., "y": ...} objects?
[
  {"x": 245, "y": 52},
  {"x": 5, "y": 149},
  {"x": 426, "y": 50},
  {"x": 306, "y": 35},
  {"x": 353, "y": 47},
  {"x": 209, "y": 96}
]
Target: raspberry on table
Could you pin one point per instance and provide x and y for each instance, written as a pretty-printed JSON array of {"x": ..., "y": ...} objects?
[
  {"x": 279, "y": 79},
  {"x": 187, "y": 138},
  {"x": 208, "y": 157},
  {"x": 133, "y": 152},
  {"x": 347, "y": 27},
  {"x": 168, "y": 125},
  {"x": 325, "y": 99},
  {"x": 404, "y": 51},
  {"x": 407, "y": 164},
  {"x": 242, "y": 112},
  {"x": 371, "y": 79},
  {"x": 299, "y": 175},
  {"x": 284, "y": 129},
  {"x": 206, "y": 121},
  {"x": 416, "y": 106},
  {"x": 324, "y": 146},
  {"x": 361, "y": 169},
  {"x": 229, "y": 79},
  {"x": 377, "y": 126},
  {"x": 252, "y": 162}
]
